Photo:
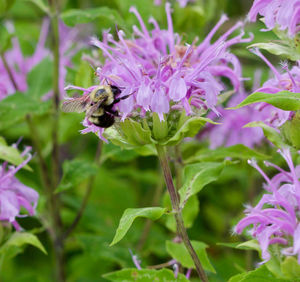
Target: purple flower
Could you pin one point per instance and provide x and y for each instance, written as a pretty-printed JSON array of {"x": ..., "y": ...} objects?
[
  {"x": 162, "y": 74},
  {"x": 282, "y": 13},
  {"x": 231, "y": 132},
  {"x": 275, "y": 217},
  {"x": 19, "y": 65},
  {"x": 14, "y": 195}
]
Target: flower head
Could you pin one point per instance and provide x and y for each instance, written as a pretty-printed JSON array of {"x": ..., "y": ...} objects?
[
  {"x": 282, "y": 13},
  {"x": 275, "y": 219},
  {"x": 14, "y": 195},
  {"x": 161, "y": 74}
]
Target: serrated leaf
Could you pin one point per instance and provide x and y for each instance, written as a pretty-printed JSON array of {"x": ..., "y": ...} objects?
[
  {"x": 290, "y": 268},
  {"x": 130, "y": 215},
  {"x": 180, "y": 253},
  {"x": 196, "y": 176},
  {"x": 79, "y": 16},
  {"x": 278, "y": 49},
  {"x": 19, "y": 239},
  {"x": 285, "y": 100},
  {"x": 144, "y": 275},
  {"x": 188, "y": 129},
  {"x": 261, "y": 274},
  {"x": 74, "y": 172},
  {"x": 238, "y": 151},
  {"x": 270, "y": 133}
]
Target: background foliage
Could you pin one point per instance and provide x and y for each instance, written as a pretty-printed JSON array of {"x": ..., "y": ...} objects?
[{"x": 124, "y": 179}]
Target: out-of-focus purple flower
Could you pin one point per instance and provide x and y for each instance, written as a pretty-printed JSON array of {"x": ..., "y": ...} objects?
[
  {"x": 275, "y": 218},
  {"x": 231, "y": 132},
  {"x": 161, "y": 74},
  {"x": 18, "y": 65},
  {"x": 182, "y": 3},
  {"x": 282, "y": 13},
  {"x": 14, "y": 195}
]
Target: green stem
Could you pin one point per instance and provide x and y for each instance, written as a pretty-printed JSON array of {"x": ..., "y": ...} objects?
[
  {"x": 11, "y": 77},
  {"x": 177, "y": 211},
  {"x": 58, "y": 225}
]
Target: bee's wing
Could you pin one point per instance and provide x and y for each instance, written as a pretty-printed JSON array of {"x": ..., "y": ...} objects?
[
  {"x": 76, "y": 105},
  {"x": 95, "y": 107}
]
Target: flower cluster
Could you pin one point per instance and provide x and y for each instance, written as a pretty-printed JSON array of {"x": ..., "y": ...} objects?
[
  {"x": 275, "y": 218},
  {"x": 14, "y": 195},
  {"x": 161, "y": 74},
  {"x": 282, "y": 13}
]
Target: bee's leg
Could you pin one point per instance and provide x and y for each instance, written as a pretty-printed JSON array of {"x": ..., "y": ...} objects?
[{"x": 119, "y": 99}]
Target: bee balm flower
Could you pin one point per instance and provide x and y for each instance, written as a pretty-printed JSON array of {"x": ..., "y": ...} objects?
[
  {"x": 162, "y": 75},
  {"x": 14, "y": 195},
  {"x": 275, "y": 218},
  {"x": 282, "y": 13}
]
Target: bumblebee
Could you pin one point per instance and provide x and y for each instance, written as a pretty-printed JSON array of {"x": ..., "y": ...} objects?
[{"x": 98, "y": 105}]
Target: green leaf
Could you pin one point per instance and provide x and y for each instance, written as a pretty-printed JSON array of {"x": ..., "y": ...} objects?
[
  {"x": 130, "y": 215},
  {"x": 40, "y": 79},
  {"x": 248, "y": 245},
  {"x": 84, "y": 75},
  {"x": 10, "y": 154},
  {"x": 40, "y": 4},
  {"x": 270, "y": 133},
  {"x": 19, "y": 239},
  {"x": 285, "y": 100},
  {"x": 196, "y": 176},
  {"x": 189, "y": 212},
  {"x": 180, "y": 253},
  {"x": 261, "y": 274},
  {"x": 290, "y": 268},
  {"x": 79, "y": 16},
  {"x": 290, "y": 131},
  {"x": 144, "y": 275},
  {"x": 189, "y": 128},
  {"x": 14, "y": 108},
  {"x": 279, "y": 50},
  {"x": 74, "y": 172},
  {"x": 238, "y": 151},
  {"x": 135, "y": 134},
  {"x": 160, "y": 128}
]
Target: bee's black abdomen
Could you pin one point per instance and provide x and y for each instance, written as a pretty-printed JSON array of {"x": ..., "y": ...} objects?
[{"x": 104, "y": 121}]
